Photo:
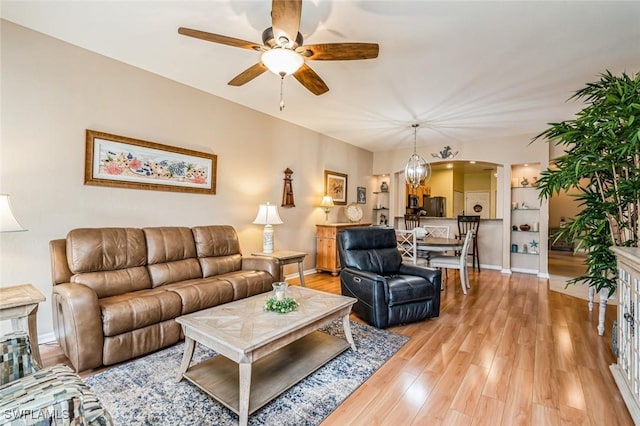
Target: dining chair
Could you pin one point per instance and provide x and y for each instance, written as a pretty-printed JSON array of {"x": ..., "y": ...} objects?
[
  {"x": 458, "y": 262},
  {"x": 471, "y": 224},
  {"x": 407, "y": 245},
  {"x": 436, "y": 231},
  {"x": 411, "y": 221}
]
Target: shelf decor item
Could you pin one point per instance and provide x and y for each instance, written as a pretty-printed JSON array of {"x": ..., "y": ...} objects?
[
  {"x": 384, "y": 187},
  {"x": 525, "y": 227}
]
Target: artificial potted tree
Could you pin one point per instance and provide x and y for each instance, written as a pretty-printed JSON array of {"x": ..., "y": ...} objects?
[{"x": 601, "y": 161}]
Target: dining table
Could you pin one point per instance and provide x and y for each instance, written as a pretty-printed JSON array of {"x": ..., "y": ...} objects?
[{"x": 439, "y": 244}]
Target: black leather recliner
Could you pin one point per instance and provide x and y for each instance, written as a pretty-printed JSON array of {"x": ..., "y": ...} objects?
[{"x": 388, "y": 291}]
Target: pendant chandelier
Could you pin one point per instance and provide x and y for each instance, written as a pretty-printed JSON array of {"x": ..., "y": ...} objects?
[{"x": 417, "y": 171}]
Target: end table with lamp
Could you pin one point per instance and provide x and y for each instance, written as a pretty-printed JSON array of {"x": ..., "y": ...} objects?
[
  {"x": 287, "y": 257},
  {"x": 19, "y": 303}
]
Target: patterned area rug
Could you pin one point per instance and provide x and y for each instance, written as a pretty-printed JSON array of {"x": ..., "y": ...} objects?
[{"x": 144, "y": 391}]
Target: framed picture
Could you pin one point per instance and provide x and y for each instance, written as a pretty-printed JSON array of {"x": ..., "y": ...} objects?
[
  {"x": 118, "y": 161},
  {"x": 362, "y": 195},
  {"x": 335, "y": 185}
]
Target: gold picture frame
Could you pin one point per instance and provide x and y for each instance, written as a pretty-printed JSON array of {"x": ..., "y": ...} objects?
[
  {"x": 119, "y": 161},
  {"x": 335, "y": 185}
]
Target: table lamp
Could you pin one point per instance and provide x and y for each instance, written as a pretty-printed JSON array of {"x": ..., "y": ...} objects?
[
  {"x": 8, "y": 222},
  {"x": 267, "y": 216},
  {"x": 327, "y": 203}
]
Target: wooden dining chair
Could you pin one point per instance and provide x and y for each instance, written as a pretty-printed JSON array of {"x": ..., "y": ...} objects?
[
  {"x": 411, "y": 221},
  {"x": 458, "y": 262},
  {"x": 470, "y": 224}
]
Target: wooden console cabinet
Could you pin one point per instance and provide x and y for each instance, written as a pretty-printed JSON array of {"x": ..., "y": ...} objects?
[
  {"x": 327, "y": 247},
  {"x": 626, "y": 371}
]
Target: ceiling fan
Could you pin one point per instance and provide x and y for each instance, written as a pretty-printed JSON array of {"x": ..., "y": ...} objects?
[{"x": 283, "y": 52}]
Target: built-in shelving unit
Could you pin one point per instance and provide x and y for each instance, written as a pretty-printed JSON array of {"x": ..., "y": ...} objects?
[
  {"x": 381, "y": 212},
  {"x": 525, "y": 212}
]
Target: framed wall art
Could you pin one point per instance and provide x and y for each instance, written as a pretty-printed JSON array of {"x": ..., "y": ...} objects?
[
  {"x": 119, "y": 161},
  {"x": 335, "y": 185},
  {"x": 362, "y": 195}
]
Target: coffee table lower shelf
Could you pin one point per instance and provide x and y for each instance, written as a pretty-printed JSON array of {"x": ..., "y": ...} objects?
[{"x": 271, "y": 375}]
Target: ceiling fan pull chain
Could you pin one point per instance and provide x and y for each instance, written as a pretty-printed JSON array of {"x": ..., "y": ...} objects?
[{"x": 282, "y": 91}]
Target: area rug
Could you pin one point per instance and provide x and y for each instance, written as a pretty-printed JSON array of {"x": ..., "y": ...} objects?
[{"x": 144, "y": 391}]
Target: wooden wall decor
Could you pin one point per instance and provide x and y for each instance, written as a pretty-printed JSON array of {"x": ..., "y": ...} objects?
[{"x": 287, "y": 190}]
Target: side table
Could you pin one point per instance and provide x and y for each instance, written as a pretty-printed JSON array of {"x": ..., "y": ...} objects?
[
  {"x": 20, "y": 304},
  {"x": 286, "y": 257}
]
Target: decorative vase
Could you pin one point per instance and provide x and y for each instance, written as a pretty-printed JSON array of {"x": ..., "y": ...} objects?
[
  {"x": 524, "y": 182},
  {"x": 384, "y": 187},
  {"x": 279, "y": 291}
]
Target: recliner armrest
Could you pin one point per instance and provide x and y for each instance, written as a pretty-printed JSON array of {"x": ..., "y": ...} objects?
[{"x": 434, "y": 276}]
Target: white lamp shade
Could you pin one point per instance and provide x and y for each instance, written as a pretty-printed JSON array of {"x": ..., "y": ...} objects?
[
  {"x": 280, "y": 60},
  {"x": 268, "y": 215},
  {"x": 8, "y": 222},
  {"x": 327, "y": 201}
]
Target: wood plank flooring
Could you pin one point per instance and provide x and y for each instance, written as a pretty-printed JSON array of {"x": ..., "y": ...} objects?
[{"x": 508, "y": 353}]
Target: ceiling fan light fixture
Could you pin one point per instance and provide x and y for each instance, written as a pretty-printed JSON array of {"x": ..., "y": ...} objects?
[
  {"x": 417, "y": 171},
  {"x": 282, "y": 60}
]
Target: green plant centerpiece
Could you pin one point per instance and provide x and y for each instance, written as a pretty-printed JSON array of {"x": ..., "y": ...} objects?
[
  {"x": 283, "y": 306},
  {"x": 280, "y": 301},
  {"x": 601, "y": 165}
]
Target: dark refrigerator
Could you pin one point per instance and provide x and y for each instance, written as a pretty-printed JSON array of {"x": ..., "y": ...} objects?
[{"x": 434, "y": 206}]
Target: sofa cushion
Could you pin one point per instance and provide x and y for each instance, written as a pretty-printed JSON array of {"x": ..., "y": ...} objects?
[
  {"x": 171, "y": 255},
  {"x": 111, "y": 283},
  {"x": 201, "y": 293},
  {"x": 108, "y": 260},
  {"x": 105, "y": 249},
  {"x": 248, "y": 283},
  {"x": 218, "y": 249},
  {"x": 138, "y": 309}
]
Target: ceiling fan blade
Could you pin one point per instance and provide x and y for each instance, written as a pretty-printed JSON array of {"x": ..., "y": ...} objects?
[
  {"x": 217, "y": 38},
  {"x": 285, "y": 19},
  {"x": 312, "y": 81},
  {"x": 339, "y": 51},
  {"x": 248, "y": 74}
]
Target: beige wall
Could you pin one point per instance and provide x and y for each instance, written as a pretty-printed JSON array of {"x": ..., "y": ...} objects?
[{"x": 53, "y": 91}]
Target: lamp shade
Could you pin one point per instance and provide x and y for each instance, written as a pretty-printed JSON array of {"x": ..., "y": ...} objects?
[
  {"x": 268, "y": 215},
  {"x": 8, "y": 222},
  {"x": 327, "y": 201},
  {"x": 282, "y": 61}
]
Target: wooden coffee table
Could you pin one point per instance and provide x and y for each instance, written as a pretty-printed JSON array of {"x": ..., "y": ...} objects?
[{"x": 264, "y": 353}]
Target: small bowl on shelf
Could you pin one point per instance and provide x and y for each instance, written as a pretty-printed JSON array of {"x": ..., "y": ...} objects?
[{"x": 525, "y": 227}]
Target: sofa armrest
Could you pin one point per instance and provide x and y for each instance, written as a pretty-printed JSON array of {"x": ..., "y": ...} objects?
[
  {"x": 77, "y": 323},
  {"x": 259, "y": 263}
]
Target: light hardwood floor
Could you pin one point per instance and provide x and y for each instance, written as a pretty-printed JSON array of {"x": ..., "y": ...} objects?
[{"x": 509, "y": 353}]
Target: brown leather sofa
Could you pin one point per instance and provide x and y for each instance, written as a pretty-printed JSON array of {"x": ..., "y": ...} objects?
[{"x": 117, "y": 291}]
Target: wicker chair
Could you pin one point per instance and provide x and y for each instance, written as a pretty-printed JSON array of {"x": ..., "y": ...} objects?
[{"x": 52, "y": 395}]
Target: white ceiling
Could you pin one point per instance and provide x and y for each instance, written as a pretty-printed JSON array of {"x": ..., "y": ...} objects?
[{"x": 464, "y": 70}]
